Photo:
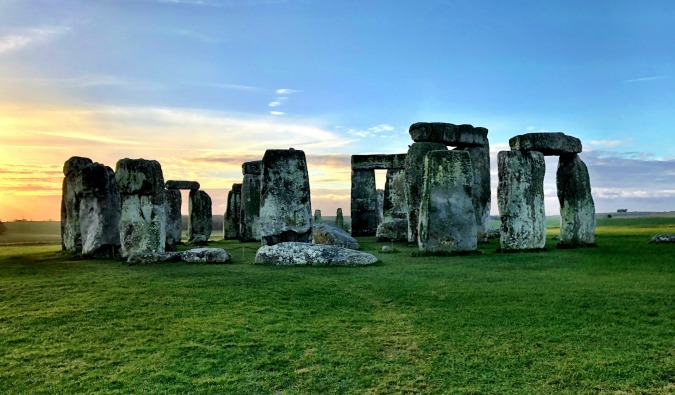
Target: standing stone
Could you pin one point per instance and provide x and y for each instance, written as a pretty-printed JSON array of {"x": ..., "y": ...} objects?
[
  {"x": 339, "y": 219},
  {"x": 317, "y": 216},
  {"x": 380, "y": 205},
  {"x": 174, "y": 200},
  {"x": 71, "y": 236},
  {"x": 100, "y": 209},
  {"x": 231, "y": 223},
  {"x": 480, "y": 166},
  {"x": 447, "y": 221},
  {"x": 520, "y": 196},
  {"x": 577, "y": 210},
  {"x": 285, "y": 208},
  {"x": 394, "y": 205},
  {"x": 200, "y": 220},
  {"x": 143, "y": 220},
  {"x": 249, "y": 219},
  {"x": 364, "y": 208},
  {"x": 414, "y": 177}
]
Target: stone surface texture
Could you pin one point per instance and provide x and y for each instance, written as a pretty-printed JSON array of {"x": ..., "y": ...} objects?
[
  {"x": 232, "y": 220},
  {"x": 520, "y": 195},
  {"x": 253, "y": 168},
  {"x": 663, "y": 239},
  {"x": 546, "y": 143},
  {"x": 317, "y": 216},
  {"x": 200, "y": 218},
  {"x": 295, "y": 253},
  {"x": 154, "y": 257},
  {"x": 394, "y": 205},
  {"x": 364, "y": 209},
  {"x": 332, "y": 235},
  {"x": 206, "y": 255},
  {"x": 447, "y": 221},
  {"x": 249, "y": 219},
  {"x": 143, "y": 220},
  {"x": 100, "y": 209},
  {"x": 577, "y": 209},
  {"x": 285, "y": 208},
  {"x": 189, "y": 185},
  {"x": 378, "y": 161},
  {"x": 339, "y": 219},
  {"x": 449, "y": 134},
  {"x": 174, "y": 201},
  {"x": 480, "y": 190},
  {"x": 414, "y": 177},
  {"x": 393, "y": 230},
  {"x": 71, "y": 236}
]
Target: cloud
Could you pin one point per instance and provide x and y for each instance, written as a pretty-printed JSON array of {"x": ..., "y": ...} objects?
[
  {"x": 609, "y": 143},
  {"x": 27, "y": 37},
  {"x": 274, "y": 104},
  {"x": 642, "y": 79},
  {"x": 286, "y": 91},
  {"x": 372, "y": 131},
  {"x": 89, "y": 137},
  {"x": 277, "y": 112}
]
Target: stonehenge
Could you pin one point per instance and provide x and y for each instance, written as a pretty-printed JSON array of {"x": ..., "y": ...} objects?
[
  {"x": 249, "y": 219},
  {"x": 577, "y": 210},
  {"x": 231, "y": 222},
  {"x": 71, "y": 236},
  {"x": 339, "y": 219},
  {"x": 174, "y": 201},
  {"x": 196, "y": 221},
  {"x": 99, "y": 211},
  {"x": 200, "y": 221}
]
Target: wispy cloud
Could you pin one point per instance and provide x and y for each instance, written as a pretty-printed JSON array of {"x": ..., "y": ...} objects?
[
  {"x": 277, "y": 112},
  {"x": 89, "y": 137},
  {"x": 235, "y": 87},
  {"x": 372, "y": 131},
  {"x": 26, "y": 37},
  {"x": 609, "y": 143},
  {"x": 642, "y": 79},
  {"x": 274, "y": 104},
  {"x": 287, "y": 91}
]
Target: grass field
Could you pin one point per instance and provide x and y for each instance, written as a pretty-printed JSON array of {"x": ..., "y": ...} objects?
[{"x": 588, "y": 321}]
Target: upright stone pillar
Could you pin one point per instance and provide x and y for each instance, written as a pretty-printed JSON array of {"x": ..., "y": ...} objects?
[
  {"x": 249, "y": 228},
  {"x": 520, "y": 197},
  {"x": 174, "y": 201},
  {"x": 317, "y": 216},
  {"x": 100, "y": 210},
  {"x": 394, "y": 205},
  {"x": 414, "y": 176},
  {"x": 480, "y": 169},
  {"x": 577, "y": 209},
  {"x": 71, "y": 236},
  {"x": 143, "y": 220},
  {"x": 200, "y": 220},
  {"x": 231, "y": 222},
  {"x": 285, "y": 207},
  {"x": 447, "y": 221},
  {"x": 339, "y": 219},
  {"x": 364, "y": 209}
]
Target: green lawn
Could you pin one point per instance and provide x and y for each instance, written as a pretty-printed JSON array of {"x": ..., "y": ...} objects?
[{"x": 598, "y": 320}]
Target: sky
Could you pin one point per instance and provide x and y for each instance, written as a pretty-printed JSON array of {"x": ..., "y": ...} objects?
[{"x": 204, "y": 85}]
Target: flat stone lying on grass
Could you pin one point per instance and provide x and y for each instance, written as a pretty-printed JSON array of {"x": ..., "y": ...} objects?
[
  {"x": 332, "y": 235},
  {"x": 206, "y": 255},
  {"x": 663, "y": 239},
  {"x": 154, "y": 257},
  {"x": 393, "y": 230},
  {"x": 546, "y": 143},
  {"x": 296, "y": 253},
  {"x": 387, "y": 249}
]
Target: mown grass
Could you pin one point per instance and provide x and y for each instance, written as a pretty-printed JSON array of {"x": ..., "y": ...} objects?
[{"x": 596, "y": 320}]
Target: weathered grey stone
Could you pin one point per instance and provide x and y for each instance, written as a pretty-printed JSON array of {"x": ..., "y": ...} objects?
[
  {"x": 154, "y": 257},
  {"x": 332, "y": 235},
  {"x": 387, "y": 249},
  {"x": 200, "y": 218},
  {"x": 492, "y": 233},
  {"x": 206, "y": 255},
  {"x": 100, "y": 209},
  {"x": 317, "y": 216},
  {"x": 232, "y": 220},
  {"x": 394, "y": 205},
  {"x": 546, "y": 143},
  {"x": 295, "y": 253},
  {"x": 174, "y": 201},
  {"x": 449, "y": 134},
  {"x": 339, "y": 219},
  {"x": 190, "y": 185},
  {"x": 480, "y": 189},
  {"x": 577, "y": 209},
  {"x": 378, "y": 161},
  {"x": 414, "y": 177},
  {"x": 143, "y": 220},
  {"x": 447, "y": 221},
  {"x": 364, "y": 209},
  {"x": 285, "y": 210},
  {"x": 71, "y": 236},
  {"x": 393, "y": 230},
  {"x": 663, "y": 239},
  {"x": 520, "y": 196},
  {"x": 249, "y": 219},
  {"x": 380, "y": 205}
]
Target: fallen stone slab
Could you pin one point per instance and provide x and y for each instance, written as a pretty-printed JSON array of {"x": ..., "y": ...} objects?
[
  {"x": 393, "y": 230},
  {"x": 173, "y": 184},
  {"x": 154, "y": 257},
  {"x": 206, "y": 255},
  {"x": 332, "y": 235},
  {"x": 296, "y": 253},
  {"x": 663, "y": 239},
  {"x": 449, "y": 134},
  {"x": 546, "y": 143}
]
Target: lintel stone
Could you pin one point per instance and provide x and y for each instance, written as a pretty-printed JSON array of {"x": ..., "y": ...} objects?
[
  {"x": 190, "y": 185},
  {"x": 378, "y": 161},
  {"x": 253, "y": 168},
  {"x": 449, "y": 134},
  {"x": 547, "y": 143}
]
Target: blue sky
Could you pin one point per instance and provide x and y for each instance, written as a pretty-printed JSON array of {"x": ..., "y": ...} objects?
[{"x": 203, "y": 85}]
